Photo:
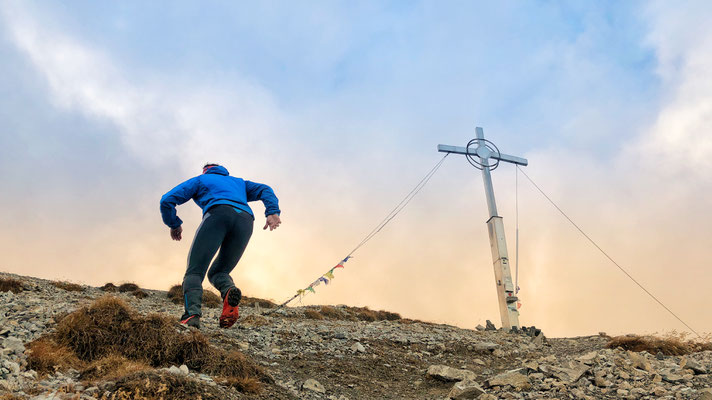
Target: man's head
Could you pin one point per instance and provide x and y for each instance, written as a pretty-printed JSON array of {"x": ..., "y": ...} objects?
[{"x": 207, "y": 166}]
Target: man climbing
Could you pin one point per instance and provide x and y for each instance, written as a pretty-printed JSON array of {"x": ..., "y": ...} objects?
[{"x": 227, "y": 225}]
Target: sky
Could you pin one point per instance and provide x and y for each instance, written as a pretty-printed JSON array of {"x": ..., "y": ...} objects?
[{"x": 340, "y": 106}]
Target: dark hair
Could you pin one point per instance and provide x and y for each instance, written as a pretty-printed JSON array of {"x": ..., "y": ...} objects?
[{"x": 210, "y": 165}]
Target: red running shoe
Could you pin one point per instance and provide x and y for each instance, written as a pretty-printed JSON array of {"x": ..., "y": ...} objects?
[
  {"x": 193, "y": 321},
  {"x": 231, "y": 310}
]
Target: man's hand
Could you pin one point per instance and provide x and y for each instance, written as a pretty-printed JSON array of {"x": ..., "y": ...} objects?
[
  {"x": 273, "y": 222},
  {"x": 176, "y": 233}
]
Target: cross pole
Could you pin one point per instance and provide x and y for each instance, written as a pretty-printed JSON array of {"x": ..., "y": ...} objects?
[{"x": 481, "y": 157}]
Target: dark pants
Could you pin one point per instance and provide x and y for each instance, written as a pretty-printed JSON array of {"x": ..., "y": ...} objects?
[{"x": 223, "y": 228}]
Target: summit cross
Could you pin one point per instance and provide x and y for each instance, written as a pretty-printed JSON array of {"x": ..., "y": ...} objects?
[{"x": 485, "y": 156}]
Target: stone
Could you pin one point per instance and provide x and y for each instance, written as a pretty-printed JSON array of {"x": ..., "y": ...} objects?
[
  {"x": 313, "y": 385},
  {"x": 358, "y": 348},
  {"x": 538, "y": 340},
  {"x": 174, "y": 370},
  {"x": 486, "y": 346},
  {"x": 588, "y": 358},
  {"x": 657, "y": 378},
  {"x": 514, "y": 378},
  {"x": 639, "y": 361},
  {"x": 244, "y": 346},
  {"x": 480, "y": 327},
  {"x": 490, "y": 326},
  {"x": 13, "y": 367},
  {"x": 659, "y": 391},
  {"x": 601, "y": 382},
  {"x": 449, "y": 374},
  {"x": 569, "y": 375},
  {"x": 705, "y": 394},
  {"x": 184, "y": 370},
  {"x": 696, "y": 367},
  {"x": 531, "y": 365},
  {"x": 671, "y": 376},
  {"x": 467, "y": 389},
  {"x": 498, "y": 353},
  {"x": 14, "y": 344}
]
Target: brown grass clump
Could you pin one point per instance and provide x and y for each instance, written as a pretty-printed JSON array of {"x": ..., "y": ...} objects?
[
  {"x": 139, "y": 294},
  {"x": 11, "y": 285},
  {"x": 312, "y": 314},
  {"x": 254, "y": 320},
  {"x": 364, "y": 314},
  {"x": 45, "y": 356},
  {"x": 255, "y": 302},
  {"x": 672, "y": 344},
  {"x": 244, "y": 384},
  {"x": 333, "y": 313},
  {"x": 128, "y": 287},
  {"x": 109, "y": 330},
  {"x": 210, "y": 299},
  {"x": 112, "y": 367},
  {"x": 175, "y": 294},
  {"x": 110, "y": 287},
  {"x": 68, "y": 286},
  {"x": 10, "y": 396},
  {"x": 151, "y": 385},
  {"x": 95, "y": 331}
]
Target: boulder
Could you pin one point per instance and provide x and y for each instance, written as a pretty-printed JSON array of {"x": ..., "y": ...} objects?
[
  {"x": 639, "y": 361},
  {"x": 313, "y": 385},
  {"x": 467, "y": 389},
  {"x": 449, "y": 374},
  {"x": 515, "y": 378}
]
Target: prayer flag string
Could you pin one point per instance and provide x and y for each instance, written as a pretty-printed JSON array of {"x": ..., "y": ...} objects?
[{"x": 329, "y": 275}]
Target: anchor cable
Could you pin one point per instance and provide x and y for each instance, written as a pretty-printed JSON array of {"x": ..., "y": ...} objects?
[
  {"x": 606, "y": 254},
  {"x": 389, "y": 217}
]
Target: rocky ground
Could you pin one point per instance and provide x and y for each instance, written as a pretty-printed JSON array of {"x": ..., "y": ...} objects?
[{"x": 315, "y": 353}]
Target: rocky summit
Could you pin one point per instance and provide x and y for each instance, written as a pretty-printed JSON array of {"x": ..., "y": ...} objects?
[{"x": 67, "y": 341}]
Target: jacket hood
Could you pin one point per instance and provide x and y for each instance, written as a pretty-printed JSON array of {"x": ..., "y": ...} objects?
[{"x": 219, "y": 169}]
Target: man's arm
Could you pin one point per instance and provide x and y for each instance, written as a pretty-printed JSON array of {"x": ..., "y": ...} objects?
[
  {"x": 259, "y": 191},
  {"x": 176, "y": 196}
]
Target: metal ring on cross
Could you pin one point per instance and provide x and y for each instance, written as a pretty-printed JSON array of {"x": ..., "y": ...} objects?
[{"x": 484, "y": 151}]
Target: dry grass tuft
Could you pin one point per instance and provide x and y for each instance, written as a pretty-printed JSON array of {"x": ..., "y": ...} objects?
[
  {"x": 46, "y": 356},
  {"x": 154, "y": 386},
  {"x": 244, "y": 385},
  {"x": 128, "y": 287},
  {"x": 10, "y": 396},
  {"x": 112, "y": 367},
  {"x": 68, "y": 286},
  {"x": 11, "y": 285},
  {"x": 140, "y": 294},
  {"x": 671, "y": 344},
  {"x": 254, "y": 320},
  {"x": 255, "y": 302},
  {"x": 109, "y": 330},
  {"x": 364, "y": 314},
  {"x": 333, "y": 313},
  {"x": 110, "y": 287},
  {"x": 210, "y": 299},
  {"x": 175, "y": 294},
  {"x": 312, "y": 314}
]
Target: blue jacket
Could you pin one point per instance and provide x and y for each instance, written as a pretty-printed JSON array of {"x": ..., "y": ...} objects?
[{"x": 214, "y": 187}]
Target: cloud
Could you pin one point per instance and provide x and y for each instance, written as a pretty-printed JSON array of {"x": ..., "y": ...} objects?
[{"x": 341, "y": 157}]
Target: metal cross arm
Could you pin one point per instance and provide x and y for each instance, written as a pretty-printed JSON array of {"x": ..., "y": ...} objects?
[{"x": 444, "y": 148}]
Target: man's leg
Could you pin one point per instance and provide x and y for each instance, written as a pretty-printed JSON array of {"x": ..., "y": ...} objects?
[
  {"x": 208, "y": 238},
  {"x": 233, "y": 246}
]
